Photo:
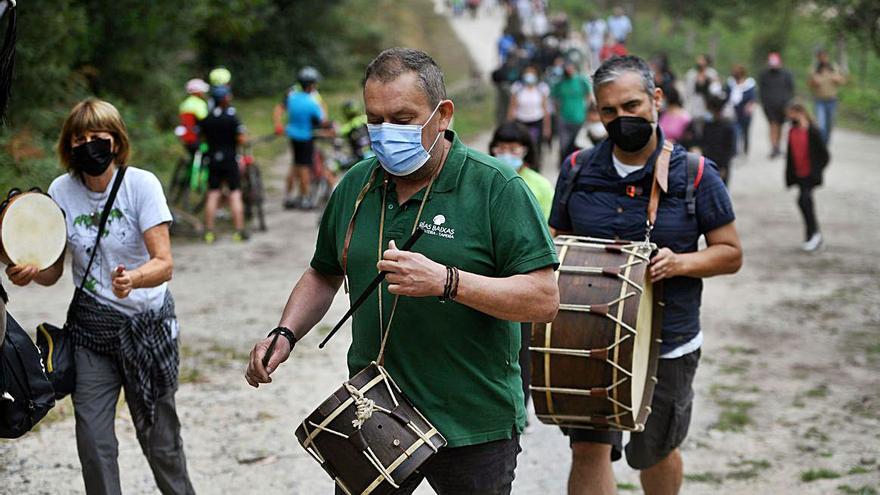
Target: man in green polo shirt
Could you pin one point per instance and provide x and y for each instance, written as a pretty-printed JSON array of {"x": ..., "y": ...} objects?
[
  {"x": 456, "y": 360},
  {"x": 572, "y": 95}
]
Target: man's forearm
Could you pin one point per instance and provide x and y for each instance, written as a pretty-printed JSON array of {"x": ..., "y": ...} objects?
[
  {"x": 309, "y": 301},
  {"x": 718, "y": 259},
  {"x": 529, "y": 297}
]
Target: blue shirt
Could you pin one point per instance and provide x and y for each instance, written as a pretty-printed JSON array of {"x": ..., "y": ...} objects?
[
  {"x": 611, "y": 215},
  {"x": 303, "y": 115}
]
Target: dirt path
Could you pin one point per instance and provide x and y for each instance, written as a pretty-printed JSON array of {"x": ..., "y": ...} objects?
[{"x": 788, "y": 384}]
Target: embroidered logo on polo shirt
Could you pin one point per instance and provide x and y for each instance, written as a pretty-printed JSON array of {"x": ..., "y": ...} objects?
[{"x": 436, "y": 227}]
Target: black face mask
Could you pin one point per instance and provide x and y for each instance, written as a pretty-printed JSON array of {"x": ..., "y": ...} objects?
[
  {"x": 93, "y": 157},
  {"x": 630, "y": 134}
]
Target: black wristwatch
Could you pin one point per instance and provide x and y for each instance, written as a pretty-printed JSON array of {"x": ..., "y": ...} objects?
[{"x": 286, "y": 333}]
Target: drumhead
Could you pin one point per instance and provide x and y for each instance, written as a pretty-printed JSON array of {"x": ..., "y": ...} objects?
[
  {"x": 33, "y": 231},
  {"x": 642, "y": 349}
]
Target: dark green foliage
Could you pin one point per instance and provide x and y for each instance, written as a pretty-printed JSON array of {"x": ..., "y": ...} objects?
[{"x": 138, "y": 54}]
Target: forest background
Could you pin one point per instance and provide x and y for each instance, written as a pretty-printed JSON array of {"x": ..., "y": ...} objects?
[{"x": 139, "y": 54}]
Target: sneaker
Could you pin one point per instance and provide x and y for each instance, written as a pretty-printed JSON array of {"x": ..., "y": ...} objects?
[
  {"x": 813, "y": 243},
  {"x": 292, "y": 203},
  {"x": 209, "y": 237},
  {"x": 240, "y": 236}
]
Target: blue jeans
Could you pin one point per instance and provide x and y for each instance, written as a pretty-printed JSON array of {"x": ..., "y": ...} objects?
[{"x": 825, "y": 112}]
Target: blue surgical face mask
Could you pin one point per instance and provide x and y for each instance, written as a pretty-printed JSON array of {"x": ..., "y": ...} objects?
[
  {"x": 530, "y": 79},
  {"x": 399, "y": 147},
  {"x": 511, "y": 160}
]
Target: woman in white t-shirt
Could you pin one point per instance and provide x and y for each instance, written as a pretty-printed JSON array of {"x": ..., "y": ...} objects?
[
  {"x": 123, "y": 322},
  {"x": 530, "y": 106}
]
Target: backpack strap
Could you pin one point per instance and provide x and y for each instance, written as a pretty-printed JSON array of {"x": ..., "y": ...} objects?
[
  {"x": 577, "y": 162},
  {"x": 695, "y": 165}
]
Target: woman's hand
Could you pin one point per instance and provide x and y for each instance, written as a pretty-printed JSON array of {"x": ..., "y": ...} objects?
[
  {"x": 123, "y": 281},
  {"x": 22, "y": 275}
]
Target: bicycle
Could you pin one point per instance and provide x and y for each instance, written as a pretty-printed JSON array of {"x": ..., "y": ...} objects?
[
  {"x": 253, "y": 191},
  {"x": 190, "y": 177}
]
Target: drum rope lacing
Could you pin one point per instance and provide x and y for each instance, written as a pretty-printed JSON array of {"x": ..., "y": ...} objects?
[{"x": 599, "y": 353}]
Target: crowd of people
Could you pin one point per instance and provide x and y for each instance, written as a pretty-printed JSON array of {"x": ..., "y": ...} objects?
[{"x": 543, "y": 82}]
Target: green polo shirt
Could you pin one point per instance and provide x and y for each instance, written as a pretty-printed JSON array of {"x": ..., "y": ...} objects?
[
  {"x": 572, "y": 94},
  {"x": 457, "y": 365}
]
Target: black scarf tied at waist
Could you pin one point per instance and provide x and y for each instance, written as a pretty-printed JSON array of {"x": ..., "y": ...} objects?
[{"x": 142, "y": 346}]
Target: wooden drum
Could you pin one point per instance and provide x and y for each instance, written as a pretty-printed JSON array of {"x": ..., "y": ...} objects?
[
  {"x": 368, "y": 436},
  {"x": 595, "y": 365},
  {"x": 32, "y": 230}
]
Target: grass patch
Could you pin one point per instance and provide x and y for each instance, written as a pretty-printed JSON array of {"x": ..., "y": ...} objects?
[
  {"x": 817, "y": 392},
  {"x": 735, "y": 349},
  {"x": 858, "y": 470},
  {"x": 735, "y": 415},
  {"x": 191, "y": 375},
  {"x": 861, "y": 490},
  {"x": 813, "y": 433},
  {"x": 748, "y": 469},
  {"x": 627, "y": 487},
  {"x": 707, "y": 477},
  {"x": 735, "y": 368},
  {"x": 819, "y": 474}
]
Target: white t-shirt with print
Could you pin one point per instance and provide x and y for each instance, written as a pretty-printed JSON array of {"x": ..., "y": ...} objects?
[{"x": 140, "y": 205}]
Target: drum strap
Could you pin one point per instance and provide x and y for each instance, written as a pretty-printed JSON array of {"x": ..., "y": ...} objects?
[
  {"x": 105, "y": 214},
  {"x": 659, "y": 184}
]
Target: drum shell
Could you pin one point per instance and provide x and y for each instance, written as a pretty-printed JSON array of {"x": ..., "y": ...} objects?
[
  {"x": 595, "y": 332},
  {"x": 387, "y": 435}
]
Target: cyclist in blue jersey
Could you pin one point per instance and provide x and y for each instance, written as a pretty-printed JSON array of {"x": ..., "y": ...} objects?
[{"x": 303, "y": 113}]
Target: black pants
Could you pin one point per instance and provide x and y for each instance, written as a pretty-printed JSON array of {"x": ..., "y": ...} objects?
[
  {"x": 805, "y": 203},
  {"x": 482, "y": 469}
]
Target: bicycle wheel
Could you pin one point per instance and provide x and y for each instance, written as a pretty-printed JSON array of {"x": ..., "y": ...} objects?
[
  {"x": 179, "y": 181},
  {"x": 256, "y": 194}
]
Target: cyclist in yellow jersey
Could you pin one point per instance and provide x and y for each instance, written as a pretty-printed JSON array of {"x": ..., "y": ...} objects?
[{"x": 191, "y": 110}]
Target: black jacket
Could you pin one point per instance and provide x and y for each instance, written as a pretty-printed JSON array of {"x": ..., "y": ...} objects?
[{"x": 818, "y": 160}]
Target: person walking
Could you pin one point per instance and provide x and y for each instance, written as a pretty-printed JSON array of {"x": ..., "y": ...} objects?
[
  {"x": 619, "y": 25},
  {"x": 714, "y": 136},
  {"x": 123, "y": 324},
  {"x": 741, "y": 90},
  {"x": 805, "y": 162},
  {"x": 825, "y": 81},
  {"x": 190, "y": 112},
  {"x": 675, "y": 119},
  {"x": 701, "y": 82},
  {"x": 223, "y": 132},
  {"x": 775, "y": 89},
  {"x": 628, "y": 103},
  {"x": 424, "y": 177},
  {"x": 304, "y": 114},
  {"x": 530, "y": 106},
  {"x": 572, "y": 95},
  {"x": 595, "y": 29},
  {"x": 512, "y": 145}
]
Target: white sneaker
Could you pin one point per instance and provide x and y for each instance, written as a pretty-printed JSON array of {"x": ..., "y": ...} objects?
[{"x": 814, "y": 243}]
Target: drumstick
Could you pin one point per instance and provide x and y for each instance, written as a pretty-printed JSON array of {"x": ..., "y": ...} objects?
[
  {"x": 366, "y": 293},
  {"x": 270, "y": 350}
]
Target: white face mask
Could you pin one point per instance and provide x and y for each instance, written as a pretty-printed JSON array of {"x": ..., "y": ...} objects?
[{"x": 399, "y": 146}]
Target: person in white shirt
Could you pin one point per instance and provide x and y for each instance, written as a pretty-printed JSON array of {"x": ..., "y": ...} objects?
[
  {"x": 122, "y": 322},
  {"x": 619, "y": 25}
]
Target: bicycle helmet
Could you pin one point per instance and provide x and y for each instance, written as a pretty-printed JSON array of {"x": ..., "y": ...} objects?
[
  {"x": 350, "y": 109},
  {"x": 220, "y": 76},
  {"x": 308, "y": 75},
  {"x": 196, "y": 86}
]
